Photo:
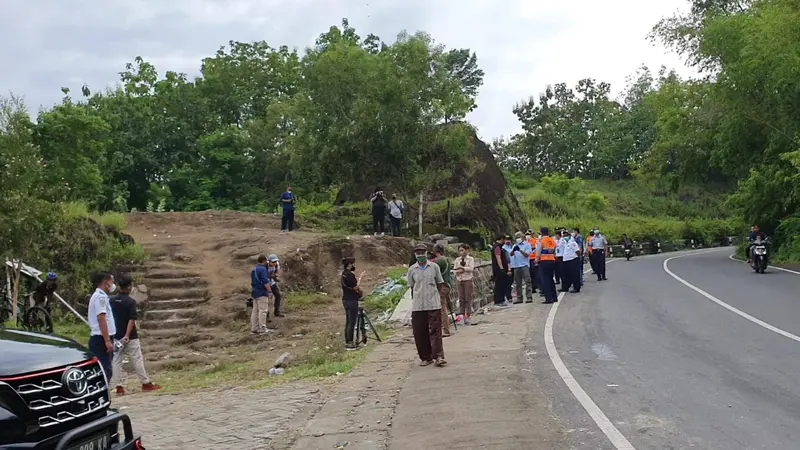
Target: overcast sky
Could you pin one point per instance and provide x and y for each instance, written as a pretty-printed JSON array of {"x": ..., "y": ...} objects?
[{"x": 522, "y": 45}]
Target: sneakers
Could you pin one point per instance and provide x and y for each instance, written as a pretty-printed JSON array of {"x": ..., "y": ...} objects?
[
  {"x": 440, "y": 362},
  {"x": 501, "y": 305},
  {"x": 120, "y": 391},
  {"x": 352, "y": 347},
  {"x": 149, "y": 387},
  {"x": 425, "y": 363}
]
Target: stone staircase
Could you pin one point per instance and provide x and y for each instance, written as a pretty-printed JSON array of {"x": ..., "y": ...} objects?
[{"x": 174, "y": 294}]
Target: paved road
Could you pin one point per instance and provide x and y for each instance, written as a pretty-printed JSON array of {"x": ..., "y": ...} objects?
[{"x": 670, "y": 368}]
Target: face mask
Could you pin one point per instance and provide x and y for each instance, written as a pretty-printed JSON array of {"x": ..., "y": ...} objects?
[
  {"x": 508, "y": 242},
  {"x": 112, "y": 288},
  {"x": 519, "y": 240},
  {"x": 527, "y": 237},
  {"x": 352, "y": 267},
  {"x": 422, "y": 259}
]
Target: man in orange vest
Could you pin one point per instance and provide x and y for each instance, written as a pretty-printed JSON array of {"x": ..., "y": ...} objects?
[
  {"x": 546, "y": 260},
  {"x": 534, "y": 268}
]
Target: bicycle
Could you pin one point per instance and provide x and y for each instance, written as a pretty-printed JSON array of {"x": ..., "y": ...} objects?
[{"x": 31, "y": 318}]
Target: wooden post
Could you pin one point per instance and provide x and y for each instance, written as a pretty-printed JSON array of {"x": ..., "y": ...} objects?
[
  {"x": 420, "y": 215},
  {"x": 448, "y": 214}
]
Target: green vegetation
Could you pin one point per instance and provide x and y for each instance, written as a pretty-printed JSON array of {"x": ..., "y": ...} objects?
[
  {"x": 628, "y": 207},
  {"x": 736, "y": 127}
]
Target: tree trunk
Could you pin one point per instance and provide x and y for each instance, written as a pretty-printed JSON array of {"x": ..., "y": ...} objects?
[{"x": 15, "y": 292}]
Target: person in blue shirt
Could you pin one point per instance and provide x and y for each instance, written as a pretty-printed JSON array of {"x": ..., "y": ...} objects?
[
  {"x": 520, "y": 255},
  {"x": 261, "y": 291},
  {"x": 287, "y": 202}
]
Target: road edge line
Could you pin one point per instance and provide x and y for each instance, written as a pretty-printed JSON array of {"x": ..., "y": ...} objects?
[
  {"x": 612, "y": 433},
  {"x": 732, "y": 257},
  {"x": 719, "y": 302}
]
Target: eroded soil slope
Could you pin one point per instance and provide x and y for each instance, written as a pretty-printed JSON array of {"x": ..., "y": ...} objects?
[{"x": 198, "y": 279}]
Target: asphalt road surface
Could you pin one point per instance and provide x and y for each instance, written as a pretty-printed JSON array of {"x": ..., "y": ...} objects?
[{"x": 670, "y": 368}]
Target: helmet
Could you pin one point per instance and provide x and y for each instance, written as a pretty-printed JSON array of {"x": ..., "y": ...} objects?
[
  {"x": 273, "y": 258},
  {"x": 52, "y": 276}
]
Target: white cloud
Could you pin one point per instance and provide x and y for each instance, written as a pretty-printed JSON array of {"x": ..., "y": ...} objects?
[{"x": 522, "y": 45}]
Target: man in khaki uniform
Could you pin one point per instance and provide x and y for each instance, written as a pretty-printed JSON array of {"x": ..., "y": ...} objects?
[{"x": 425, "y": 281}]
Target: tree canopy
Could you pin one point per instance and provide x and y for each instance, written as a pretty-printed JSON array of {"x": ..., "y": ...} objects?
[
  {"x": 738, "y": 124},
  {"x": 347, "y": 110}
]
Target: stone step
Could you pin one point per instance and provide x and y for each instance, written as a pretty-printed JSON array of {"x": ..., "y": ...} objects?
[
  {"x": 169, "y": 334},
  {"x": 174, "y": 303},
  {"x": 179, "y": 282},
  {"x": 167, "y": 273},
  {"x": 167, "y": 314},
  {"x": 169, "y": 324},
  {"x": 171, "y": 294}
]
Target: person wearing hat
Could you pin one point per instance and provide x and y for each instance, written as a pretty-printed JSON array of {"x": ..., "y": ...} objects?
[
  {"x": 520, "y": 266},
  {"x": 273, "y": 267},
  {"x": 351, "y": 295},
  {"x": 43, "y": 294},
  {"x": 425, "y": 281}
]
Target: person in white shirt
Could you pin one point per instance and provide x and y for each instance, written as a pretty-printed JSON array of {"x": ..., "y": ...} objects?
[
  {"x": 559, "y": 272},
  {"x": 600, "y": 253},
  {"x": 101, "y": 321},
  {"x": 396, "y": 214},
  {"x": 571, "y": 266}
]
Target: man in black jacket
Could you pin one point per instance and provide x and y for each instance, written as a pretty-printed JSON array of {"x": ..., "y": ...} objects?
[
  {"x": 379, "y": 204},
  {"x": 351, "y": 295}
]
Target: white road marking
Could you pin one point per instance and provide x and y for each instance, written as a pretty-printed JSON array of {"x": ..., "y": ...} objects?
[
  {"x": 725, "y": 305},
  {"x": 732, "y": 257},
  {"x": 612, "y": 433}
]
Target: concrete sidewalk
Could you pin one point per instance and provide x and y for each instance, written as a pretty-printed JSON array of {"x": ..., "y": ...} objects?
[{"x": 485, "y": 397}]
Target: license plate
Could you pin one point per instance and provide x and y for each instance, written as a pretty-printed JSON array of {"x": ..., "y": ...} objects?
[{"x": 99, "y": 442}]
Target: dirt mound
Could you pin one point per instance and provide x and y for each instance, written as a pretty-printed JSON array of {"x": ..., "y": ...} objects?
[
  {"x": 198, "y": 279},
  {"x": 480, "y": 196}
]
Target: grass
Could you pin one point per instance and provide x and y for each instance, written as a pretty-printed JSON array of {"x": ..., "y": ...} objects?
[
  {"x": 625, "y": 207},
  {"x": 327, "y": 358},
  {"x": 110, "y": 219}
]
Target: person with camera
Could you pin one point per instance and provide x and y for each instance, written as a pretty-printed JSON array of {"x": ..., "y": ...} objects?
[
  {"x": 465, "y": 266},
  {"x": 351, "y": 296},
  {"x": 425, "y": 280},
  {"x": 379, "y": 203},
  {"x": 273, "y": 267}
]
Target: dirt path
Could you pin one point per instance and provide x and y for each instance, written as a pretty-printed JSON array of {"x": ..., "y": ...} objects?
[{"x": 485, "y": 398}]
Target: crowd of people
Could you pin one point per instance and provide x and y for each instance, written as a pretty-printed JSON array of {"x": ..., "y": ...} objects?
[{"x": 523, "y": 265}]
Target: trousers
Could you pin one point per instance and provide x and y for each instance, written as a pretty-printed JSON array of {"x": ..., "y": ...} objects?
[
  {"x": 427, "y": 328},
  {"x": 546, "y": 273},
  {"x": 287, "y": 220},
  {"x": 258, "y": 317},
  {"x": 350, "y": 320},
  {"x": 522, "y": 276},
  {"x": 134, "y": 351},
  {"x": 97, "y": 345}
]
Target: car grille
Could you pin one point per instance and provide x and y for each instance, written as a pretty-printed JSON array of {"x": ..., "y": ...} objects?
[{"x": 52, "y": 403}]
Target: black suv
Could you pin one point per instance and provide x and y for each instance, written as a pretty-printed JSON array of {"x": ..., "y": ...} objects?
[{"x": 54, "y": 396}]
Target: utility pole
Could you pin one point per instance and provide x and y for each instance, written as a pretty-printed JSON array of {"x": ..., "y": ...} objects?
[{"x": 420, "y": 215}]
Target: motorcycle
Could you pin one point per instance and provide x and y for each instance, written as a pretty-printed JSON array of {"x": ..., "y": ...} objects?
[
  {"x": 760, "y": 256},
  {"x": 628, "y": 254}
]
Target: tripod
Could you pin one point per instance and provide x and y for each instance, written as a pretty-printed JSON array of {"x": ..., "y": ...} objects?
[{"x": 361, "y": 327}]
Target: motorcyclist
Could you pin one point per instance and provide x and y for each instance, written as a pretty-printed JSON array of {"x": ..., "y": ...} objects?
[
  {"x": 755, "y": 234},
  {"x": 626, "y": 241},
  {"x": 43, "y": 294}
]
